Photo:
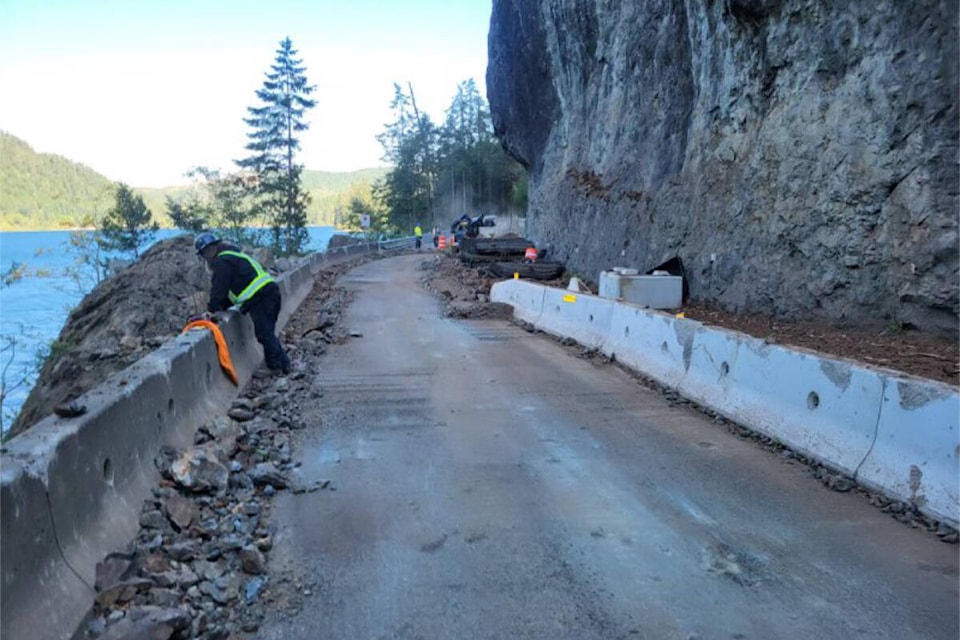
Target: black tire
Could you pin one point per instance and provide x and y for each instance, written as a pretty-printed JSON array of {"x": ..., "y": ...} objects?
[
  {"x": 500, "y": 246},
  {"x": 468, "y": 245},
  {"x": 473, "y": 258},
  {"x": 530, "y": 270}
]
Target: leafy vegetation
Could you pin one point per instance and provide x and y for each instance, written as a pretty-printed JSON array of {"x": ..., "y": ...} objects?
[
  {"x": 359, "y": 211},
  {"x": 128, "y": 225},
  {"x": 221, "y": 202},
  {"x": 438, "y": 172},
  {"x": 89, "y": 260}
]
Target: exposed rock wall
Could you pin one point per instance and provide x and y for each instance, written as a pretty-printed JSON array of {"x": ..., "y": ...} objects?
[{"x": 800, "y": 157}]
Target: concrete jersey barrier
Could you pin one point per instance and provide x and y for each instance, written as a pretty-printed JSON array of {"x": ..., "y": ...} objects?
[
  {"x": 892, "y": 433},
  {"x": 585, "y": 318},
  {"x": 72, "y": 489}
]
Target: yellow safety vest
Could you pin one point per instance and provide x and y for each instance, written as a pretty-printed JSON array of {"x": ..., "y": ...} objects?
[{"x": 263, "y": 279}]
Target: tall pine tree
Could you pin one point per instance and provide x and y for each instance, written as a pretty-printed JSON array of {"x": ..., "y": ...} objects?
[
  {"x": 409, "y": 143},
  {"x": 273, "y": 144},
  {"x": 442, "y": 172}
]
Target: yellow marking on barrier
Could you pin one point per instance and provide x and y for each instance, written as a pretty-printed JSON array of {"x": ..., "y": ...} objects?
[
  {"x": 569, "y": 298},
  {"x": 516, "y": 275}
]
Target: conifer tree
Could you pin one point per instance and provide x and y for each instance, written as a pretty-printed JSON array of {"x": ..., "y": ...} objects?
[
  {"x": 409, "y": 143},
  {"x": 128, "y": 225},
  {"x": 442, "y": 172},
  {"x": 273, "y": 144}
]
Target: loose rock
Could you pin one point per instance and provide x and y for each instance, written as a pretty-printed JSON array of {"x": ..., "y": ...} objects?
[{"x": 266, "y": 473}]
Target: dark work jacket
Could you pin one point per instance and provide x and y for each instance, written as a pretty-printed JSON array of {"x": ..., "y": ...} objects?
[{"x": 231, "y": 273}]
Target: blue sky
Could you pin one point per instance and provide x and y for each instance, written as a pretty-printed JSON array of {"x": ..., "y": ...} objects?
[{"x": 143, "y": 91}]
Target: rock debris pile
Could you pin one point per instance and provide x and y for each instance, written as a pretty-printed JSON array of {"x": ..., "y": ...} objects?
[{"x": 463, "y": 290}]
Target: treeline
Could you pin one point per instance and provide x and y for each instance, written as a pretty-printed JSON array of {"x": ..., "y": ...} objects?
[
  {"x": 48, "y": 191},
  {"x": 439, "y": 172}
]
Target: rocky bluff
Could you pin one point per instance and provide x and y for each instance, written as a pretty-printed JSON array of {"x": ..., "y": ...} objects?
[{"x": 800, "y": 157}]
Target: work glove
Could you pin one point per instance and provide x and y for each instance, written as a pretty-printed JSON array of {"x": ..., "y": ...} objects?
[{"x": 202, "y": 316}]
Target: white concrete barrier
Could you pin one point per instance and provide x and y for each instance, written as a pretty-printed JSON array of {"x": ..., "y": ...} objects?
[
  {"x": 656, "y": 344},
  {"x": 583, "y": 317},
  {"x": 893, "y": 433},
  {"x": 525, "y": 297},
  {"x": 823, "y": 407},
  {"x": 915, "y": 456}
]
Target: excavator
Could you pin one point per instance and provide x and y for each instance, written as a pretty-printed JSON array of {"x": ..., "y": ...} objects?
[{"x": 467, "y": 227}]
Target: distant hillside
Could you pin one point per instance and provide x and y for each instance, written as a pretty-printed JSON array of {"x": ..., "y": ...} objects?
[
  {"x": 47, "y": 191},
  {"x": 329, "y": 181},
  {"x": 327, "y": 187}
]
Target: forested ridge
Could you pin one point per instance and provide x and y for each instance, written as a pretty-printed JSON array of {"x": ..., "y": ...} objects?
[{"x": 48, "y": 191}]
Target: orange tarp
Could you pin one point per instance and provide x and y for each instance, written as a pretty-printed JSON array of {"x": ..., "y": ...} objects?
[{"x": 222, "y": 352}]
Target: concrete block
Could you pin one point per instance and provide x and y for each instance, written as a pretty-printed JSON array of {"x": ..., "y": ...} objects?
[
  {"x": 653, "y": 292},
  {"x": 72, "y": 488},
  {"x": 30, "y": 557},
  {"x": 898, "y": 435}
]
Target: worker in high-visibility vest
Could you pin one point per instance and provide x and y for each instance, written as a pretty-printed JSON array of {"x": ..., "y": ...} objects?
[{"x": 240, "y": 281}]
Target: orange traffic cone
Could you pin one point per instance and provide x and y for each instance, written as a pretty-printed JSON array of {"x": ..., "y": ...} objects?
[{"x": 442, "y": 243}]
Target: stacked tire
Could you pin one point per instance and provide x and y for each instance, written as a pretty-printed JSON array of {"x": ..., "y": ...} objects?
[{"x": 529, "y": 270}]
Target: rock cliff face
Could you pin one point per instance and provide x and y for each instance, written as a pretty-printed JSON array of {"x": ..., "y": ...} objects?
[{"x": 800, "y": 157}]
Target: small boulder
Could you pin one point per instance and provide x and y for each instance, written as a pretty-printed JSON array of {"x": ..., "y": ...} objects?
[
  {"x": 149, "y": 623},
  {"x": 252, "y": 561},
  {"x": 181, "y": 511},
  {"x": 266, "y": 473},
  {"x": 114, "y": 568},
  {"x": 200, "y": 470},
  {"x": 122, "y": 592},
  {"x": 241, "y": 414}
]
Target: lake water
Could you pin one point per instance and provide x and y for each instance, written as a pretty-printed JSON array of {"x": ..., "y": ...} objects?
[{"x": 33, "y": 310}]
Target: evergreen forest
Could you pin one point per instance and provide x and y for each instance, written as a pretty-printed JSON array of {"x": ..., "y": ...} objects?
[{"x": 47, "y": 191}]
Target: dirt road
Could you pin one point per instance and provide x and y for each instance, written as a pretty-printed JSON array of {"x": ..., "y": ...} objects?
[{"x": 485, "y": 483}]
